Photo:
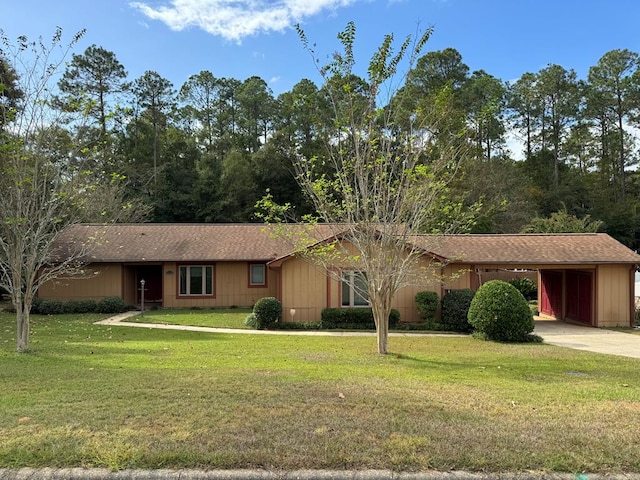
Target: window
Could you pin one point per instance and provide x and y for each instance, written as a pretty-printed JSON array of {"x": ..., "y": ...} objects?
[
  {"x": 354, "y": 289},
  {"x": 196, "y": 280},
  {"x": 257, "y": 275}
]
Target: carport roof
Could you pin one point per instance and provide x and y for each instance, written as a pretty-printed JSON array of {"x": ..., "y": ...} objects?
[{"x": 529, "y": 249}]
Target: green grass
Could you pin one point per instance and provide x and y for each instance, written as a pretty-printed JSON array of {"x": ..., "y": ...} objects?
[
  {"x": 218, "y": 318},
  {"x": 91, "y": 395}
]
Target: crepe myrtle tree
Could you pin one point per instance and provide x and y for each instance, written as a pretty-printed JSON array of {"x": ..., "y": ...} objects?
[
  {"x": 380, "y": 180},
  {"x": 41, "y": 194}
]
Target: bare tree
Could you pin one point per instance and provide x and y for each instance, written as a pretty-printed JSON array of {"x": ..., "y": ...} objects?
[
  {"x": 382, "y": 177},
  {"x": 41, "y": 190}
]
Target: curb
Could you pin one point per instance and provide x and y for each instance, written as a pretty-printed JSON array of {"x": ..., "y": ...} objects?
[{"x": 105, "y": 474}]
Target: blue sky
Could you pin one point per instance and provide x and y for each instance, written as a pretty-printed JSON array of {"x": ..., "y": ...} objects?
[{"x": 241, "y": 38}]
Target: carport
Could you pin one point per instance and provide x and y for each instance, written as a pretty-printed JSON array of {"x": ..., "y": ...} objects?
[{"x": 583, "y": 278}]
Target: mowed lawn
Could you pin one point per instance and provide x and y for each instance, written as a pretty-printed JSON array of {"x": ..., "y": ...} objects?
[
  {"x": 218, "y": 318},
  {"x": 121, "y": 397}
]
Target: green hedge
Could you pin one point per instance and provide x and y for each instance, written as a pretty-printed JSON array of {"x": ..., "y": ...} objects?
[
  {"x": 353, "y": 318},
  {"x": 527, "y": 287},
  {"x": 455, "y": 308},
  {"x": 427, "y": 304},
  {"x": 499, "y": 312},
  {"x": 57, "y": 307}
]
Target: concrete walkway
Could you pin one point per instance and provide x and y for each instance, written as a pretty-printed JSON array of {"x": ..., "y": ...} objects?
[
  {"x": 120, "y": 320},
  {"x": 553, "y": 332}
]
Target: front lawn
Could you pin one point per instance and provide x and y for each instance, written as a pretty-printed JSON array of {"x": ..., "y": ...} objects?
[
  {"x": 120, "y": 397},
  {"x": 218, "y": 318}
]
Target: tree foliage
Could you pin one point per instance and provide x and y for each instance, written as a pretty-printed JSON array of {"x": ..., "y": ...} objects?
[
  {"x": 372, "y": 187},
  {"x": 43, "y": 188}
]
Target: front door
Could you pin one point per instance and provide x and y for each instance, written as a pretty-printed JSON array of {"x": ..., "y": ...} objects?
[{"x": 152, "y": 276}]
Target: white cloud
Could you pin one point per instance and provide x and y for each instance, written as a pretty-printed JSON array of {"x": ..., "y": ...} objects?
[{"x": 236, "y": 19}]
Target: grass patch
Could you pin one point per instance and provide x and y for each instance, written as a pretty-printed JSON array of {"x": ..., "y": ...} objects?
[
  {"x": 93, "y": 395},
  {"x": 216, "y": 318}
]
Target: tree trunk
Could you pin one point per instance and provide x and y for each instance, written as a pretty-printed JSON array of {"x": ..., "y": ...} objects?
[
  {"x": 22, "y": 319},
  {"x": 381, "y": 317}
]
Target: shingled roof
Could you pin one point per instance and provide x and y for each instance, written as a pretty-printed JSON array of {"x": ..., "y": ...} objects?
[
  {"x": 529, "y": 249},
  {"x": 253, "y": 242},
  {"x": 152, "y": 242}
]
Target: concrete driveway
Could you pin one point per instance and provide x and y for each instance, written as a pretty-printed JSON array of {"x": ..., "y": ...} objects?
[{"x": 588, "y": 338}]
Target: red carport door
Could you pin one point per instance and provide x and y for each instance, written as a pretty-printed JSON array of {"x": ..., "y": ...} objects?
[
  {"x": 579, "y": 296},
  {"x": 551, "y": 293}
]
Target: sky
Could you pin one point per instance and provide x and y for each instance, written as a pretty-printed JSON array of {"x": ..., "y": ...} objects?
[{"x": 242, "y": 38}]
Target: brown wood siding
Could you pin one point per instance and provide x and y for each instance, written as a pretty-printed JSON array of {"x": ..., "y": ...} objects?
[
  {"x": 613, "y": 297},
  {"x": 99, "y": 281},
  {"x": 231, "y": 287},
  {"x": 304, "y": 288}
]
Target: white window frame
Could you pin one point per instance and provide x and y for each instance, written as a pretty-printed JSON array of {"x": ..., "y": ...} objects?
[
  {"x": 352, "y": 297},
  {"x": 186, "y": 270}
]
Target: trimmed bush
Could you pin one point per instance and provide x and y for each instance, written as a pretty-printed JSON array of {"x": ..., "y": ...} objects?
[
  {"x": 50, "y": 307},
  {"x": 267, "y": 310},
  {"x": 427, "y": 303},
  {"x": 80, "y": 306},
  {"x": 110, "y": 305},
  {"x": 499, "y": 312},
  {"x": 35, "y": 305},
  {"x": 455, "y": 308},
  {"x": 298, "y": 325},
  {"x": 526, "y": 287},
  {"x": 354, "y": 318}
]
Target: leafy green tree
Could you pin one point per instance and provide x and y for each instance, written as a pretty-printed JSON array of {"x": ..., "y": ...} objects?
[
  {"x": 175, "y": 197},
  {"x": 238, "y": 188},
  {"x": 373, "y": 189},
  {"x": 563, "y": 222},
  {"x": 256, "y": 109},
  {"x": 558, "y": 89},
  {"x": 484, "y": 98},
  {"x": 40, "y": 197},
  {"x": 10, "y": 93},
  {"x": 155, "y": 96},
  {"x": 525, "y": 107},
  {"x": 614, "y": 84},
  {"x": 90, "y": 82},
  {"x": 436, "y": 69}
]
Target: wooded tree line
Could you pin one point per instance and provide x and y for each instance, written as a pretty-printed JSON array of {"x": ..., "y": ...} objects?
[{"x": 208, "y": 150}]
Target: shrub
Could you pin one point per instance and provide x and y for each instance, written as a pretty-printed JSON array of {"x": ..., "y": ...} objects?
[
  {"x": 267, "y": 310},
  {"x": 499, "y": 312},
  {"x": 110, "y": 305},
  {"x": 251, "y": 321},
  {"x": 80, "y": 306},
  {"x": 298, "y": 326},
  {"x": 427, "y": 303},
  {"x": 455, "y": 308},
  {"x": 51, "y": 307},
  {"x": 35, "y": 305},
  {"x": 354, "y": 318},
  {"x": 527, "y": 287}
]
